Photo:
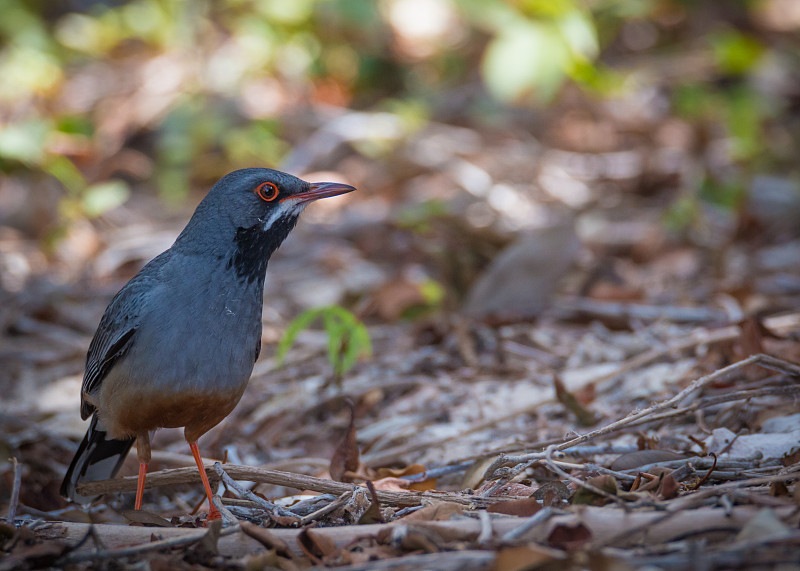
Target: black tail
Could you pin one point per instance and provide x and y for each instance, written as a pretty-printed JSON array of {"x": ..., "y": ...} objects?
[{"x": 98, "y": 458}]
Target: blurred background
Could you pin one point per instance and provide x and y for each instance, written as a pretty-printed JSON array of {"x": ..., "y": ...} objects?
[{"x": 514, "y": 159}]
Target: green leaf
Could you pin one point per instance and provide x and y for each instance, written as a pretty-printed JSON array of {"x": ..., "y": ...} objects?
[
  {"x": 24, "y": 142},
  {"x": 348, "y": 338},
  {"x": 526, "y": 58},
  {"x": 301, "y": 322},
  {"x": 67, "y": 174},
  {"x": 100, "y": 198},
  {"x": 735, "y": 53}
]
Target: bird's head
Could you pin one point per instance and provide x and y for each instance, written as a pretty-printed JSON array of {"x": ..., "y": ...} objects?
[
  {"x": 247, "y": 197},
  {"x": 249, "y": 212}
]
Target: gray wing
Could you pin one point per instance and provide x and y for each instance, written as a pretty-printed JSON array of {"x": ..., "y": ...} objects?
[{"x": 117, "y": 329}]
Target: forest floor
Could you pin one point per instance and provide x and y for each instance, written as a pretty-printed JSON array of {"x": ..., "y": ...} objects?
[{"x": 557, "y": 380}]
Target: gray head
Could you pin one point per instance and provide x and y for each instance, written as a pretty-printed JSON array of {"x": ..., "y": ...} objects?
[{"x": 247, "y": 214}]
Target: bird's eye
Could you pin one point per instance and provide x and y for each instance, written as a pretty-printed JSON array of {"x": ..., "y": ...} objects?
[{"x": 267, "y": 191}]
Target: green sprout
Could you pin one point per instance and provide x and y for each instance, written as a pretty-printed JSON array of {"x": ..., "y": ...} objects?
[{"x": 348, "y": 338}]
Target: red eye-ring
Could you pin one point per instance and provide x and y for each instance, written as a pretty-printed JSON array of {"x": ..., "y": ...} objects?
[{"x": 267, "y": 191}]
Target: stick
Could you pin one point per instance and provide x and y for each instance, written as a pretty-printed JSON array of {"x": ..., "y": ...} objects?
[
  {"x": 14, "y": 501},
  {"x": 760, "y": 359},
  {"x": 278, "y": 478},
  {"x": 233, "y": 485}
]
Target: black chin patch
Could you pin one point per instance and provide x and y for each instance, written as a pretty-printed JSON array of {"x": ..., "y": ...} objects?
[{"x": 254, "y": 246}]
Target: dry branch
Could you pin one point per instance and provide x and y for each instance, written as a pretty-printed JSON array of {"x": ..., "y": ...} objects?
[{"x": 277, "y": 478}]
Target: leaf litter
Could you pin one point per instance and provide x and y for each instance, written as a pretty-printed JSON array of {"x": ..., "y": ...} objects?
[{"x": 625, "y": 422}]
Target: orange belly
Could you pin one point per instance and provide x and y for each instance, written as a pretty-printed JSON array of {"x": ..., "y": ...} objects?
[{"x": 128, "y": 411}]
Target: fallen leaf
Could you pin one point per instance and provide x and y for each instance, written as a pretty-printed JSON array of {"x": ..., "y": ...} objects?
[
  {"x": 569, "y": 537},
  {"x": 266, "y": 538},
  {"x": 779, "y": 489},
  {"x": 146, "y": 518},
  {"x": 769, "y": 445},
  {"x": 392, "y": 299},
  {"x": 392, "y": 484},
  {"x": 373, "y": 512},
  {"x": 584, "y": 416},
  {"x": 605, "y": 482},
  {"x": 522, "y": 557},
  {"x": 438, "y": 511},
  {"x": 642, "y": 458},
  {"x": 510, "y": 489},
  {"x": 345, "y": 457},
  {"x": 421, "y": 486},
  {"x": 668, "y": 488},
  {"x": 552, "y": 493},
  {"x": 316, "y": 546},
  {"x": 524, "y": 508}
]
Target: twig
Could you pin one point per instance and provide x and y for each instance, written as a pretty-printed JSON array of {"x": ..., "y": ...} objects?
[
  {"x": 485, "y": 536},
  {"x": 759, "y": 359},
  {"x": 535, "y": 520},
  {"x": 689, "y": 409},
  {"x": 585, "y": 485},
  {"x": 574, "y": 306},
  {"x": 438, "y": 472},
  {"x": 674, "y": 507},
  {"x": 233, "y": 485},
  {"x": 227, "y": 515},
  {"x": 15, "y": 488},
  {"x": 375, "y": 501},
  {"x": 325, "y": 510},
  {"x": 278, "y": 478}
]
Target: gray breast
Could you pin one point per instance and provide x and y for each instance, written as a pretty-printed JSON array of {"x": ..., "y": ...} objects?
[{"x": 200, "y": 329}]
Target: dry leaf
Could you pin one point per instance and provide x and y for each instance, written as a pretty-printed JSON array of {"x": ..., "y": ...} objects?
[
  {"x": 605, "y": 482},
  {"x": 585, "y": 417},
  {"x": 422, "y": 486},
  {"x": 395, "y": 297},
  {"x": 438, "y": 511},
  {"x": 392, "y": 484},
  {"x": 552, "y": 493},
  {"x": 266, "y": 538},
  {"x": 779, "y": 489},
  {"x": 668, "y": 488},
  {"x": 317, "y": 546},
  {"x": 373, "y": 512},
  {"x": 345, "y": 457},
  {"x": 511, "y": 489},
  {"x": 144, "y": 517},
  {"x": 523, "y": 557},
  {"x": 642, "y": 458},
  {"x": 569, "y": 537},
  {"x": 524, "y": 508}
]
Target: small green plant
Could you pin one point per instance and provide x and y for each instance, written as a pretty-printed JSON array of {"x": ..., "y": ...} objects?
[{"x": 348, "y": 338}]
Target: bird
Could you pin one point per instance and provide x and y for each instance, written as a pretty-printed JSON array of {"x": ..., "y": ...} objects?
[{"x": 176, "y": 345}]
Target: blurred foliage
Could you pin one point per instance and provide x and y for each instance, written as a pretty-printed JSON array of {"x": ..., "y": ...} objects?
[
  {"x": 198, "y": 88},
  {"x": 348, "y": 337}
]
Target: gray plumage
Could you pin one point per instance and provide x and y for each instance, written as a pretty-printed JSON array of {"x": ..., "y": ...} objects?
[{"x": 177, "y": 344}]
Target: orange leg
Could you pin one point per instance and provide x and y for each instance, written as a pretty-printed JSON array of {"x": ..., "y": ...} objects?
[
  {"x": 213, "y": 513},
  {"x": 143, "y": 451},
  {"x": 140, "y": 486}
]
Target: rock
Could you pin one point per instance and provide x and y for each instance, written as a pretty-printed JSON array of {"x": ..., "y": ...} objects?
[{"x": 522, "y": 279}]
